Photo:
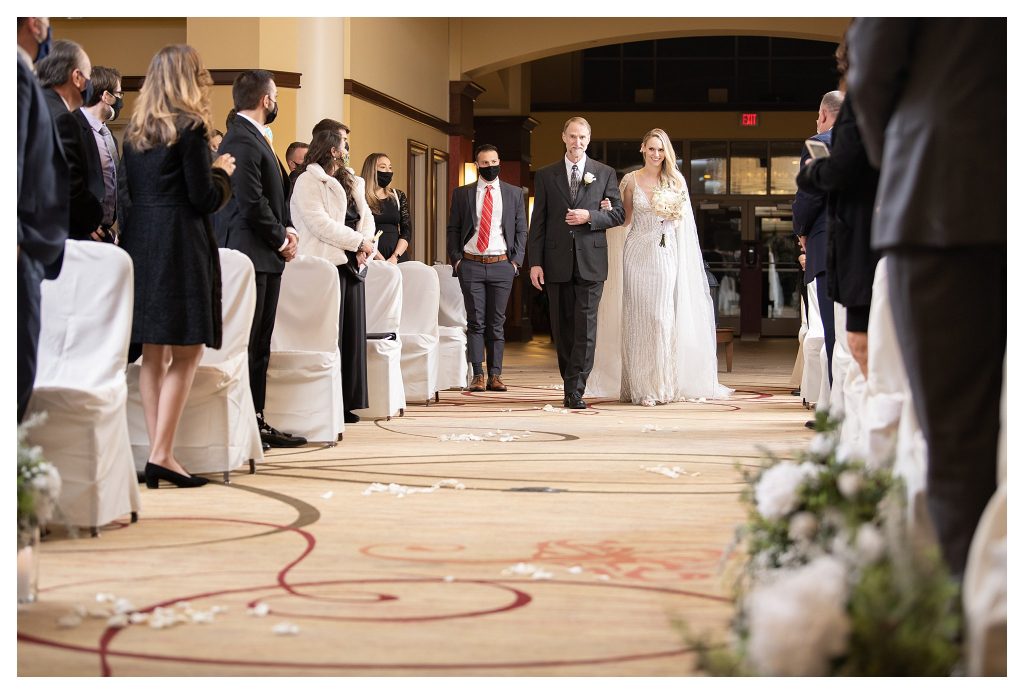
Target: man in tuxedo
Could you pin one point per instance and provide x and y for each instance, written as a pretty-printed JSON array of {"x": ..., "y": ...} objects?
[
  {"x": 569, "y": 251},
  {"x": 64, "y": 77},
  {"x": 810, "y": 223},
  {"x": 930, "y": 102},
  {"x": 42, "y": 217},
  {"x": 258, "y": 223},
  {"x": 93, "y": 158},
  {"x": 486, "y": 245}
]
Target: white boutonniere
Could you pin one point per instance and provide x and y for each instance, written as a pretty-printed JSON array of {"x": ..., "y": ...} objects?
[{"x": 588, "y": 178}]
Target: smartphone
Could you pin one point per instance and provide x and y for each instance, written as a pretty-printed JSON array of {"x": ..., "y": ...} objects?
[{"x": 817, "y": 148}]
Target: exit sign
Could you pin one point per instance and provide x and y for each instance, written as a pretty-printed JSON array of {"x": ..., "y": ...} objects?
[{"x": 748, "y": 120}]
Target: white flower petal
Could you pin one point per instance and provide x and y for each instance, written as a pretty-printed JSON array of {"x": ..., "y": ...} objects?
[
  {"x": 69, "y": 621},
  {"x": 575, "y": 569},
  {"x": 286, "y": 629},
  {"x": 327, "y": 495},
  {"x": 260, "y": 609}
]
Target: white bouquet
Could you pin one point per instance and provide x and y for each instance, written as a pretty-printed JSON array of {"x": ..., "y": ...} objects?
[{"x": 668, "y": 203}]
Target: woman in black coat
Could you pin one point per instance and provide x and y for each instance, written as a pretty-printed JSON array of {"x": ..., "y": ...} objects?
[
  {"x": 851, "y": 182},
  {"x": 171, "y": 191}
]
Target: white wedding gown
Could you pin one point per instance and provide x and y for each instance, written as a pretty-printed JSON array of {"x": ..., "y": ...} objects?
[{"x": 656, "y": 320}]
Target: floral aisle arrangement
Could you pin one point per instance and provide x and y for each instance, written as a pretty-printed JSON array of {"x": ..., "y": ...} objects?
[
  {"x": 830, "y": 584},
  {"x": 38, "y": 489}
]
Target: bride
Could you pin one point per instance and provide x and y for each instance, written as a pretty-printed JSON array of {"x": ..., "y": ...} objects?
[{"x": 656, "y": 321}]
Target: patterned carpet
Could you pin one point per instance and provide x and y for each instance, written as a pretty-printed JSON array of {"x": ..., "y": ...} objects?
[{"x": 559, "y": 543}]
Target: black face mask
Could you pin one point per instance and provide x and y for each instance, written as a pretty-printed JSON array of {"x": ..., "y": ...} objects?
[
  {"x": 272, "y": 115},
  {"x": 118, "y": 103},
  {"x": 488, "y": 173},
  {"x": 87, "y": 92},
  {"x": 384, "y": 178}
]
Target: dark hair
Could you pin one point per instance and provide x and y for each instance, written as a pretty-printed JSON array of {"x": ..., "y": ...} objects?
[
  {"x": 484, "y": 148},
  {"x": 330, "y": 124},
  {"x": 104, "y": 79},
  {"x": 319, "y": 151},
  {"x": 249, "y": 87},
  {"x": 230, "y": 119},
  {"x": 55, "y": 69},
  {"x": 292, "y": 147}
]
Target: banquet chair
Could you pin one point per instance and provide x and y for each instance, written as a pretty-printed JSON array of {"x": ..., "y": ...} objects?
[
  {"x": 384, "y": 384},
  {"x": 86, "y": 323},
  {"x": 304, "y": 375},
  {"x": 218, "y": 430},
  {"x": 453, "y": 369},
  {"x": 421, "y": 294}
]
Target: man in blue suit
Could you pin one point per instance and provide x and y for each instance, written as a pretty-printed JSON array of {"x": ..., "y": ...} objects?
[{"x": 810, "y": 225}]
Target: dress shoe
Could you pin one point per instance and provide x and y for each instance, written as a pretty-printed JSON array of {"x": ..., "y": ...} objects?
[
  {"x": 351, "y": 417},
  {"x": 494, "y": 383},
  {"x": 155, "y": 473},
  {"x": 795, "y": 391},
  {"x": 278, "y": 439},
  {"x": 266, "y": 446},
  {"x": 574, "y": 402},
  {"x": 809, "y": 424},
  {"x": 477, "y": 385}
]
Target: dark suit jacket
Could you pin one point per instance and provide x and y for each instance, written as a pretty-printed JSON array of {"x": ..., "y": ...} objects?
[
  {"x": 42, "y": 177},
  {"x": 463, "y": 220},
  {"x": 254, "y": 221},
  {"x": 55, "y": 103},
  {"x": 86, "y": 174},
  {"x": 933, "y": 92},
  {"x": 809, "y": 218},
  {"x": 850, "y": 182},
  {"x": 550, "y": 240}
]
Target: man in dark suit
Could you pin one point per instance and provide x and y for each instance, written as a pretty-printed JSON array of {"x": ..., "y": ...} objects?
[
  {"x": 810, "y": 223},
  {"x": 42, "y": 218},
  {"x": 569, "y": 251},
  {"x": 486, "y": 245},
  {"x": 93, "y": 158},
  {"x": 64, "y": 77},
  {"x": 930, "y": 97},
  {"x": 34, "y": 38},
  {"x": 259, "y": 223}
]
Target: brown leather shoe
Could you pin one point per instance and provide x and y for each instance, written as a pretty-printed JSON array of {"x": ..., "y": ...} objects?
[
  {"x": 494, "y": 383},
  {"x": 477, "y": 384}
]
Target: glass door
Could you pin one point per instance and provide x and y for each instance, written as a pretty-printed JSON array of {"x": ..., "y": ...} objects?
[{"x": 781, "y": 277}]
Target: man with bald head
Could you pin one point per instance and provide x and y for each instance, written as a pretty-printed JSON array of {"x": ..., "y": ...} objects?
[{"x": 64, "y": 77}]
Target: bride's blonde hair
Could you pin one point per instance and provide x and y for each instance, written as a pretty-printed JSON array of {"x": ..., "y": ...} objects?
[
  {"x": 176, "y": 94},
  {"x": 669, "y": 175}
]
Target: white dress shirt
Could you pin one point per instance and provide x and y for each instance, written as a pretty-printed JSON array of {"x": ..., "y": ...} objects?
[
  {"x": 496, "y": 240},
  {"x": 580, "y": 165}
]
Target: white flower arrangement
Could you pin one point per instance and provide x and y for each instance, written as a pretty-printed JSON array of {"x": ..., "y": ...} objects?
[
  {"x": 667, "y": 203},
  {"x": 38, "y": 485},
  {"x": 777, "y": 491}
]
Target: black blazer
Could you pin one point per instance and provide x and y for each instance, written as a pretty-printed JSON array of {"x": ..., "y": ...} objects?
[
  {"x": 42, "y": 177},
  {"x": 254, "y": 221},
  {"x": 850, "y": 182},
  {"x": 55, "y": 102},
  {"x": 550, "y": 241},
  {"x": 462, "y": 221},
  {"x": 809, "y": 218},
  {"x": 931, "y": 104},
  {"x": 86, "y": 174}
]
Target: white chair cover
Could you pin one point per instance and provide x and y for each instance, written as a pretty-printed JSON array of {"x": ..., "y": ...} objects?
[
  {"x": 86, "y": 323},
  {"x": 842, "y": 361},
  {"x": 304, "y": 376},
  {"x": 384, "y": 383},
  {"x": 798, "y": 365},
  {"x": 453, "y": 368},
  {"x": 218, "y": 430},
  {"x": 421, "y": 297},
  {"x": 824, "y": 390},
  {"x": 814, "y": 340}
]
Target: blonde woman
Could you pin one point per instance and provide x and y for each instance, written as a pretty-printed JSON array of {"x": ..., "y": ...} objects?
[
  {"x": 171, "y": 191},
  {"x": 390, "y": 208},
  {"x": 657, "y": 320}
]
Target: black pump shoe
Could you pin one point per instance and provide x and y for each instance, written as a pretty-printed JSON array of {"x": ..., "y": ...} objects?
[{"x": 155, "y": 473}]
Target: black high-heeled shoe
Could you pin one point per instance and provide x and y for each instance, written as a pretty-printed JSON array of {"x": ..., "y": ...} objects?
[{"x": 155, "y": 473}]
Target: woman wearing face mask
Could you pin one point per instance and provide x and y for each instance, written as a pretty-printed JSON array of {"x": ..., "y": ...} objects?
[
  {"x": 319, "y": 202},
  {"x": 390, "y": 208}
]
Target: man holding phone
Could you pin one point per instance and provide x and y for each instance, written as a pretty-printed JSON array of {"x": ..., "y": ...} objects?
[{"x": 809, "y": 224}]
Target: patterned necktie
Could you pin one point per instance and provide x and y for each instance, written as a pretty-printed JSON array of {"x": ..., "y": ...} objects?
[
  {"x": 484, "y": 238},
  {"x": 574, "y": 184}
]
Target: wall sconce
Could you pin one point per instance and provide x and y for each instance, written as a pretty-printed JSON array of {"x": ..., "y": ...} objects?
[{"x": 468, "y": 173}]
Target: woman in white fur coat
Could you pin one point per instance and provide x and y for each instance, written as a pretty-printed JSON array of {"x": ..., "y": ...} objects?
[{"x": 330, "y": 213}]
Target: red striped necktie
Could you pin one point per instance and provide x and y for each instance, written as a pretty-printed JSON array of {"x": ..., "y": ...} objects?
[{"x": 485, "y": 221}]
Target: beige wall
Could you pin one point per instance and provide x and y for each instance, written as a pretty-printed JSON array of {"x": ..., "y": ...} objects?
[
  {"x": 546, "y": 144},
  {"x": 529, "y": 38},
  {"x": 404, "y": 58},
  {"x": 125, "y": 44}
]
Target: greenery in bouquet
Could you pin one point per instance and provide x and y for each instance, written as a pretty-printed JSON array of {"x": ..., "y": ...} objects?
[{"x": 38, "y": 486}]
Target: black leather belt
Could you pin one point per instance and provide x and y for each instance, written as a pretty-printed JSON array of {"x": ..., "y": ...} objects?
[{"x": 485, "y": 258}]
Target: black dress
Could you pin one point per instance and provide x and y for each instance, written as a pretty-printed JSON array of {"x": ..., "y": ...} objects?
[
  {"x": 170, "y": 194},
  {"x": 395, "y": 222}
]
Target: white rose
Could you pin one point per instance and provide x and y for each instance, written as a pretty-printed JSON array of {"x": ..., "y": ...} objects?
[
  {"x": 870, "y": 544},
  {"x": 798, "y": 622},
  {"x": 802, "y": 526},
  {"x": 850, "y": 483},
  {"x": 588, "y": 178},
  {"x": 777, "y": 489},
  {"x": 821, "y": 445}
]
